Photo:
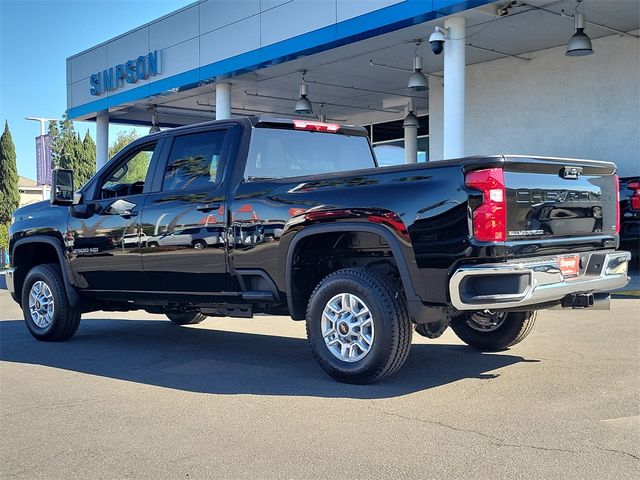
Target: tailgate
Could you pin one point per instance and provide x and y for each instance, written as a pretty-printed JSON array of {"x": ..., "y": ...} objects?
[{"x": 559, "y": 198}]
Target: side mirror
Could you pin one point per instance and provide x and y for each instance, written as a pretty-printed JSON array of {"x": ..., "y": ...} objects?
[{"x": 62, "y": 187}]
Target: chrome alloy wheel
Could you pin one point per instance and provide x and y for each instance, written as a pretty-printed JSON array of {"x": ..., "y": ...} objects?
[
  {"x": 41, "y": 304},
  {"x": 487, "y": 321},
  {"x": 347, "y": 327}
]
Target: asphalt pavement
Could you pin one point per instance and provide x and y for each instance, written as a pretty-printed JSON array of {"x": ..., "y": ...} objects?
[{"x": 134, "y": 396}]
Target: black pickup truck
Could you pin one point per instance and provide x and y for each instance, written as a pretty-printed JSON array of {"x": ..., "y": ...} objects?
[{"x": 267, "y": 215}]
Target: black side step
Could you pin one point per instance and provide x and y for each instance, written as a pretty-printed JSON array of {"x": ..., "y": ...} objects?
[{"x": 258, "y": 296}]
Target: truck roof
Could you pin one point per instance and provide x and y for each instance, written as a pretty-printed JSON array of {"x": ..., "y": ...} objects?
[{"x": 269, "y": 121}]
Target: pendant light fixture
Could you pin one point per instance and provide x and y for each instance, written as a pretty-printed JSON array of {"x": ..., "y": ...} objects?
[
  {"x": 303, "y": 105},
  {"x": 417, "y": 81},
  {"x": 579, "y": 44},
  {"x": 155, "y": 128},
  {"x": 410, "y": 121}
]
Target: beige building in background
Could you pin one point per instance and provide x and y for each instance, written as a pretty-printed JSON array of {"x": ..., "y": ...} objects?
[{"x": 31, "y": 192}]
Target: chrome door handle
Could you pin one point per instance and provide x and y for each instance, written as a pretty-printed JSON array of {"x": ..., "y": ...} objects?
[{"x": 129, "y": 214}]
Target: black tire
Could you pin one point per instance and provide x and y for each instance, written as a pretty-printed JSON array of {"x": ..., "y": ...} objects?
[
  {"x": 391, "y": 325},
  {"x": 64, "y": 319},
  {"x": 186, "y": 318},
  {"x": 514, "y": 328},
  {"x": 152, "y": 244},
  {"x": 199, "y": 244}
]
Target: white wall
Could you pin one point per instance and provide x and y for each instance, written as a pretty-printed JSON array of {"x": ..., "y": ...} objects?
[{"x": 553, "y": 105}]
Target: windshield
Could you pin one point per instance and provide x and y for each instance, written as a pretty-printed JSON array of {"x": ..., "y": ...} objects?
[{"x": 277, "y": 153}]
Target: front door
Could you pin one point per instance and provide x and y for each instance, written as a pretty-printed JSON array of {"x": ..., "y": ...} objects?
[
  {"x": 183, "y": 224},
  {"x": 104, "y": 231}
]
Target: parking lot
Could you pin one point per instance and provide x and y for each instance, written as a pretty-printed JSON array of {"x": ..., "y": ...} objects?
[{"x": 133, "y": 396}]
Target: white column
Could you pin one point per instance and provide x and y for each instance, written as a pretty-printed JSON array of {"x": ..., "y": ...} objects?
[
  {"x": 410, "y": 140},
  {"x": 454, "y": 70},
  {"x": 410, "y": 144},
  {"x": 223, "y": 101},
  {"x": 102, "y": 139}
]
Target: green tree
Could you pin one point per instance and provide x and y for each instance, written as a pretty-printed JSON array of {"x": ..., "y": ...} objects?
[
  {"x": 89, "y": 148},
  {"x": 4, "y": 237},
  {"x": 136, "y": 167},
  {"x": 123, "y": 139},
  {"x": 54, "y": 142},
  {"x": 4, "y": 242},
  {"x": 69, "y": 151},
  {"x": 86, "y": 165},
  {"x": 9, "y": 194},
  {"x": 63, "y": 138}
]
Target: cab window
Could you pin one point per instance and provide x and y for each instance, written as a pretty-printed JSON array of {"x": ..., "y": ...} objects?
[
  {"x": 195, "y": 161},
  {"x": 130, "y": 175},
  {"x": 278, "y": 153}
]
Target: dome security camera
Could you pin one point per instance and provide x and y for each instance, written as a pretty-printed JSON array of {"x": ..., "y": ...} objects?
[{"x": 437, "y": 39}]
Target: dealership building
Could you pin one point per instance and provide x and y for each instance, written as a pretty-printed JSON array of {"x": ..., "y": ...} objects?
[{"x": 540, "y": 77}]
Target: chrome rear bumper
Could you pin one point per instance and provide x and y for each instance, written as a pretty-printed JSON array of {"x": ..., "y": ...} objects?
[{"x": 535, "y": 281}]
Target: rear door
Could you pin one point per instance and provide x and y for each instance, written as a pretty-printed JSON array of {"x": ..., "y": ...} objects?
[{"x": 191, "y": 197}]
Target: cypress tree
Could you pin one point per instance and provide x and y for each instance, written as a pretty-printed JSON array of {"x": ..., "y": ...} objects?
[
  {"x": 87, "y": 166},
  {"x": 9, "y": 194},
  {"x": 90, "y": 151},
  {"x": 68, "y": 150}
]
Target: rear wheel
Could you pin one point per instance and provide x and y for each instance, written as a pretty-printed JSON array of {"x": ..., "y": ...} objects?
[
  {"x": 46, "y": 309},
  {"x": 493, "y": 331},
  {"x": 186, "y": 318},
  {"x": 199, "y": 244},
  {"x": 358, "y": 326}
]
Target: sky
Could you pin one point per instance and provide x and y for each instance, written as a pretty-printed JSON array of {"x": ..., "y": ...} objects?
[{"x": 36, "y": 37}]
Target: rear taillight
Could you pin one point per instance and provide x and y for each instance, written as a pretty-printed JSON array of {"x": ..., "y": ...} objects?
[
  {"x": 490, "y": 218},
  {"x": 617, "y": 180},
  {"x": 316, "y": 126},
  {"x": 635, "y": 198}
]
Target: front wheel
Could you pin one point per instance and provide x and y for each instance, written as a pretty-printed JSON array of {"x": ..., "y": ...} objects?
[
  {"x": 493, "y": 331},
  {"x": 46, "y": 309},
  {"x": 358, "y": 327}
]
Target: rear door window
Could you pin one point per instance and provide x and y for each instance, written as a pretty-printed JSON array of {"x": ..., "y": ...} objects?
[{"x": 195, "y": 161}]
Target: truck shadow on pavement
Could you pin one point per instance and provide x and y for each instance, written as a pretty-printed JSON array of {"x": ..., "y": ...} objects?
[{"x": 221, "y": 362}]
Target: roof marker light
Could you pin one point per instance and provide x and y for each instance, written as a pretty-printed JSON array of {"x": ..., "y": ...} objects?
[{"x": 316, "y": 126}]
